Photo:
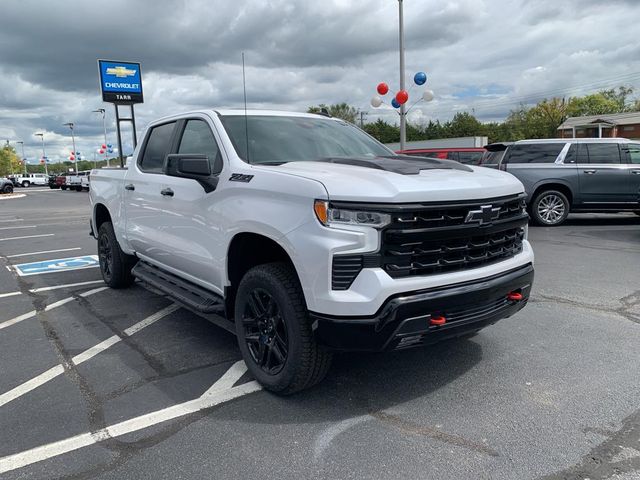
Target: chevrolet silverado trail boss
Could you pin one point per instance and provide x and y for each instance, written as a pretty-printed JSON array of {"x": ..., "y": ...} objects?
[{"x": 303, "y": 235}]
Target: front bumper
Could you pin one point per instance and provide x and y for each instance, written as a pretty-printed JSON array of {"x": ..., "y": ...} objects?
[{"x": 404, "y": 319}]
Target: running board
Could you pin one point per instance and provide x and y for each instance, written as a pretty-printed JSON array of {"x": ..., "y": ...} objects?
[{"x": 184, "y": 292}]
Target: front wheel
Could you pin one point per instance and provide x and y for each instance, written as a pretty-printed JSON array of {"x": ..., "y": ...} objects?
[
  {"x": 25, "y": 184},
  {"x": 274, "y": 330},
  {"x": 7, "y": 189},
  {"x": 550, "y": 208},
  {"x": 115, "y": 265}
]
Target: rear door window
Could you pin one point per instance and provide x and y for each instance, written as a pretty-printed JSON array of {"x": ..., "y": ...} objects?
[
  {"x": 535, "y": 153},
  {"x": 452, "y": 156},
  {"x": 157, "y": 148},
  {"x": 603, "y": 152},
  {"x": 634, "y": 154}
]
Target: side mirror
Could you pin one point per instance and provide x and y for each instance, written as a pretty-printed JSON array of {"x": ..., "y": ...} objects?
[{"x": 194, "y": 166}]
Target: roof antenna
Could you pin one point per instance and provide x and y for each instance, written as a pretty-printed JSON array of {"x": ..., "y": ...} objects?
[{"x": 246, "y": 120}]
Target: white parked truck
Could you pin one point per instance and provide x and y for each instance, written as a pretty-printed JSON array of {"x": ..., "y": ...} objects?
[{"x": 304, "y": 235}]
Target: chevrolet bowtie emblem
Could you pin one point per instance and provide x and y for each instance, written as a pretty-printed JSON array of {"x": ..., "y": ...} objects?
[
  {"x": 121, "y": 72},
  {"x": 484, "y": 216}
]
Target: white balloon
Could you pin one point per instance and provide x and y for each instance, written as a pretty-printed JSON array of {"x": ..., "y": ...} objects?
[
  {"x": 376, "y": 101},
  {"x": 427, "y": 96}
]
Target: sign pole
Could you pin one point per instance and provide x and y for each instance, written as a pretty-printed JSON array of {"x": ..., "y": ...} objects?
[{"x": 119, "y": 135}]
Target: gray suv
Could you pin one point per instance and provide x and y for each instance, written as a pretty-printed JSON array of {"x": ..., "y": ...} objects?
[{"x": 577, "y": 175}]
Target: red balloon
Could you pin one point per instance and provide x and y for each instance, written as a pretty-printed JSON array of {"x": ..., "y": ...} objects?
[
  {"x": 42, "y": 161},
  {"x": 382, "y": 88},
  {"x": 101, "y": 151},
  {"x": 103, "y": 146},
  {"x": 72, "y": 158},
  {"x": 402, "y": 96}
]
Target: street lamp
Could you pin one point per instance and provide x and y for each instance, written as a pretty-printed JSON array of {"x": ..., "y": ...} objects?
[
  {"x": 104, "y": 126},
  {"x": 44, "y": 156},
  {"x": 73, "y": 141},
  {"x": 24, "y": 159}
]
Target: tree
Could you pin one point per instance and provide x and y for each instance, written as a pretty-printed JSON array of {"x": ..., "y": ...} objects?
[
  {"x": 464, "y": 124},
  {"x": 339, "y": 110},
  {"x": 9, "y": 161}
]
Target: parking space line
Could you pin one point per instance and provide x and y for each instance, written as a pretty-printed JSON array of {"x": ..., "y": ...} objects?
[
  {"x": 32, "y": 313},
  {"x": 54, "y": 287},
  {"x": 44, "y": 452},
  {"x": 10, "y": 294},
  {"x": 42, "y": 252},
  {"x": 12, "y": 220},
  {"x": 16, "y": 228},
  {"x": 82, "y": 357},
  {"x": 28, "y": 236}
]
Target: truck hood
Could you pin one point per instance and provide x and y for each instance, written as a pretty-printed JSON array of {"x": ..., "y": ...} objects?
[{"x": 402, "y": 179}]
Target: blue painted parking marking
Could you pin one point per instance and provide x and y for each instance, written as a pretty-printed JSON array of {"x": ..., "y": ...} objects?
[{"x": 57, "y": 265}]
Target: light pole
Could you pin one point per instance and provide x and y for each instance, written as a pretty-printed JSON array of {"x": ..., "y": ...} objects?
[
  {"x": 24, "y": 159},
  {"x": 403, "y": 118},
  {"x": 44, "y": 156},
  {"x": 10, "y": 165},
  {"x": 73, "y": 141},
  {"x": 104, "y": 126}
]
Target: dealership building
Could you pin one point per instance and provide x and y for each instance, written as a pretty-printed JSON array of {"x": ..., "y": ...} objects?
[{"x": 625, "y": 125}]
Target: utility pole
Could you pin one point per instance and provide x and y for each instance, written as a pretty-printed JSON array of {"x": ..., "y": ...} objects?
[
  {"x": 362, "y": 115},
  {"x": 104, "y": 127},
  {"x": 44, "y": 155},
  {"x": 403, "y": 118},
  {"x": 73, "y": 141},
  {"x": 10, "y": 165},
  {"x": 24, "y": 159}
]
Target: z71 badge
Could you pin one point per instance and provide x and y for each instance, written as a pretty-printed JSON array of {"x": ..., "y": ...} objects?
[{"x": 239, "y": 177}]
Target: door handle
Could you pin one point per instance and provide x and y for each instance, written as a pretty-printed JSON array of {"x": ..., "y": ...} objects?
[
  {"x": 130, "y": 186},
  {"x": 589, "y": 172},
  {"x": 167, "y": 192}
]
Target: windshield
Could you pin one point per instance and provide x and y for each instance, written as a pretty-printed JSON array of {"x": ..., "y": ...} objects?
[{"x": 277, "y": 139}]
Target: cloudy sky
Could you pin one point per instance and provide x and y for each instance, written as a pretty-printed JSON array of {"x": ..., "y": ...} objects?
[{"x": 481, "y": 56}]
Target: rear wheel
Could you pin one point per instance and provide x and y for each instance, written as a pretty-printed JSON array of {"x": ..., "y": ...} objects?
[
  {"x": 274, "y": 331},
  {"x": 115, "y": 265},
  {"x": 550, "y": 208}
]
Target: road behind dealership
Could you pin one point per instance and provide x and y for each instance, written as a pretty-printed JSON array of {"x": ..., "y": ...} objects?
[{"x": 552, "y": 392}]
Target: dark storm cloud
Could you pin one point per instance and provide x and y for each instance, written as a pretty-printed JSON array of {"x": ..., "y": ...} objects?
[{"x": 299, "y": 53}]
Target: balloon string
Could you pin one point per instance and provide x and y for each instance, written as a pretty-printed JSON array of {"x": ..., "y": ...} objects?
[{"x": 413, "y": 105}]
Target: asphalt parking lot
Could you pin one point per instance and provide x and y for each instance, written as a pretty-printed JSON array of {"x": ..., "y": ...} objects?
[{"x": 99, "y": 383}]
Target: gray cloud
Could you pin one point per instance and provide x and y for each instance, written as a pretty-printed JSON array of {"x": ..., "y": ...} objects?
[{"x": 480, "y": 55}]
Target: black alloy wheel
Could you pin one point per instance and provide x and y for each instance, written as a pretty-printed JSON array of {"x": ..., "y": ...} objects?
[
  {"x": 265, "y": 332},
  {"x": 105, "y": 256}
]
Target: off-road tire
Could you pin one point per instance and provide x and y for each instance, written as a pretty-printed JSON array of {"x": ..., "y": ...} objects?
[
  {"x": 115, "y": 265},
  {"x": 550, "y": 198},
  {"x": 306, "y": 363}
]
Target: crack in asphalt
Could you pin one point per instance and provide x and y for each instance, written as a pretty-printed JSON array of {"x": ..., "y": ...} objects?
[
  {"x": 599, "y": 463},
  {"x": 405, "y": 426},
  {"x": 626, "y": 310}
]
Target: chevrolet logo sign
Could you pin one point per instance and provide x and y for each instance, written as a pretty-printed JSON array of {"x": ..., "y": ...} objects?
[
  {"x": 486, "y": 215},
  {"x": 121, "y": 72}
]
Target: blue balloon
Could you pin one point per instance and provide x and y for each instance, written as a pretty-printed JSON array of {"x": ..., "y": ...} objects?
[
  {"x": 395, "y": 104},
  {"x": 77, "y": 153},
  {"x": 420, "y": 78},
  {"x": 109, "y": 145}
]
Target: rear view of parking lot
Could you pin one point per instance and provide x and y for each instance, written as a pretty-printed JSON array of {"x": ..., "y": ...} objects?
[{"x": 101, "y": 383}]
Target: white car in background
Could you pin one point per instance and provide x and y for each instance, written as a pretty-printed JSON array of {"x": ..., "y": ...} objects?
[{"x": 28, "y": 179}]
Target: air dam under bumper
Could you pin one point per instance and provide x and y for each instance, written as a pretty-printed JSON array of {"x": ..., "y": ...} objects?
[{"x": 406, "y": 320}]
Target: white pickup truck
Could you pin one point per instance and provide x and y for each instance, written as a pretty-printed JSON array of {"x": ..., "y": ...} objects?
[{"x": 304, "y": 235}]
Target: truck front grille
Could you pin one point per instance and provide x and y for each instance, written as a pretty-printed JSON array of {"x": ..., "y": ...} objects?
[{"x": 428, "y": 239}]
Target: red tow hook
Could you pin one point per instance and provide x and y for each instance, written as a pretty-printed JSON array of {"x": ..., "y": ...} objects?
[
  {"x": 514, "y": 296},
  {"x": 437, "y": 320}
]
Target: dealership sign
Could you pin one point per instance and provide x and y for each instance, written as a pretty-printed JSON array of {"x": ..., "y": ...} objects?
[{"x": 120, "y": 82}]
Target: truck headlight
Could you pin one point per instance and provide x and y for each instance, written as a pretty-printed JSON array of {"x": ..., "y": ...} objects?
[{"x": 338, "y": 216}]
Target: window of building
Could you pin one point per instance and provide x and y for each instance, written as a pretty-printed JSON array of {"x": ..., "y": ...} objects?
[{"x": 628, "y": 128}]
